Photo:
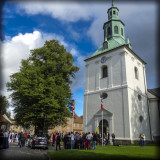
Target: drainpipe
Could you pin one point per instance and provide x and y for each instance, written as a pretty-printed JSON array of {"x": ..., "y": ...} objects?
[{"x": 148, "y": 105}]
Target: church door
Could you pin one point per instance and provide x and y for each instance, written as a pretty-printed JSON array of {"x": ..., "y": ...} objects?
[{"x": 105, "y": 127}]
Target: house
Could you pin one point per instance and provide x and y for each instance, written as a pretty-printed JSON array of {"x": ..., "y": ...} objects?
[
  {"x": 74, "y": 125},
  {"x": 5, "y": 122}
]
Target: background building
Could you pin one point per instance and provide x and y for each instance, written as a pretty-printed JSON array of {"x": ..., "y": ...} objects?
[
  {"x": 5, "y": 122},
  {"x": 75, "y": 124},
  {"x": 18, "y": 128}
]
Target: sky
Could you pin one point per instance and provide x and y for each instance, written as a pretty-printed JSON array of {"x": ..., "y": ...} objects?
[{"x": 79, "y": 27}]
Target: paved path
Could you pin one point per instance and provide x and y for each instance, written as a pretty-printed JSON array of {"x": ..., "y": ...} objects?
[{"x": 16, "y": 153}]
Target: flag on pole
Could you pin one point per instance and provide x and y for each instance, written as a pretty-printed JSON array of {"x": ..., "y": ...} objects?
[
  {"x": 101, "y": 102},
  {"x": 73, "y": 104}
]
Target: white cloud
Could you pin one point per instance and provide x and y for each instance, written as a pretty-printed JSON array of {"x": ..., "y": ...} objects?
[
  {"x": 66, "y": 11},
  {"x": 72, "y": 12},
  {"x": 129, "y": 13}
]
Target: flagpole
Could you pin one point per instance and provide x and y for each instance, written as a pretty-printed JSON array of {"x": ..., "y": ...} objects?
[
  {"x": 102, "y": 127},
  {"x": 72, "y": 120},
  {"x": 73, "y": 113}
]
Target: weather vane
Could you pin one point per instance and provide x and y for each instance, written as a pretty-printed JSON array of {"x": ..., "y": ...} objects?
[{"x": 112, "y": 3}]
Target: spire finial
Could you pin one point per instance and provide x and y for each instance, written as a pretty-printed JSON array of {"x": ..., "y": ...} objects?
[
  {"x": 128, "y": 41},
  {"x": 112, "y": 3}
]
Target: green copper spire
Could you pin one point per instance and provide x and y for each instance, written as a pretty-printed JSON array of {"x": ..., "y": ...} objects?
[
  {"x": 114, "y": 27},
  {"x": 114, "y": 33}
]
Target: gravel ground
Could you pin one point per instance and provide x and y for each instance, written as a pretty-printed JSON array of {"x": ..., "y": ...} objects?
[{"x": 14, "y": 152}]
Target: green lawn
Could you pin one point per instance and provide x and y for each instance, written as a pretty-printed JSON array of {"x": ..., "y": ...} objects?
[{"x": 107, "y": 152}]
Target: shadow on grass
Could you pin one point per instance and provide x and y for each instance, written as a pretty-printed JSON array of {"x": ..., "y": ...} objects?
[{"x": 81, "y": 155}]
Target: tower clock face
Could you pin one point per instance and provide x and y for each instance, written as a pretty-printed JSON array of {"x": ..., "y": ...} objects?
[{"x": 103, "y": 59}]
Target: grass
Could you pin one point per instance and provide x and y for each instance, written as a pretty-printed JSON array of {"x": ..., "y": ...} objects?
[{"x": 108, "y": 152}]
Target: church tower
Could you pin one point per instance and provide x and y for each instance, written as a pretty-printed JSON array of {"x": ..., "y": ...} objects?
[
  {"x": 115, "y": 69},
  {"x": 113, "y": 28}
]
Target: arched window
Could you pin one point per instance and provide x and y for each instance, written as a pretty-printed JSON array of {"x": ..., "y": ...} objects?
[
  {"x": 116, "y": 29},
  {"x": 104, "y": 71},
  {"x": 136, "y": 72},
  {"x": 114, "y": 12},
  {"x": 110, "y": 13},
  {"x": 139, "y": 97},
  {"x": 109, "y": 31},
  {"x": 122, "y": 31}
]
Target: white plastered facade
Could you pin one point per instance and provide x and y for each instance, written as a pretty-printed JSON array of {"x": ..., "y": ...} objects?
[{"x": 122, "y": 108}]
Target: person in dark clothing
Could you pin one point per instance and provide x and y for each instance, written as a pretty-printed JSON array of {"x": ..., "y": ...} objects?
[
  {"x": 19, "y": 138},
  {"x": 108, "y": 138},
  {"x": 81, "y": 142},
  {"x": 94, "y": 140},
  {"x": 22, "y": 139},
  {"x": 65, "y": 141},
  {"x": 77, "y": 140},
  {"x": 68, "y": 141},
  {"x": 58, "y": 140},
  {"x": 113, "y": 138}
]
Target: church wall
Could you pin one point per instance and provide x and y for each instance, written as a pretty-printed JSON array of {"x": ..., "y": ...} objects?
[
  {"x": 84, "y": 113},
  {"x": 116, "y": 104},
  {"x": 92, "y": 73},
  {"x": 131, "y": 63},
  {"x": 138, "y": 108},
  {"x": 94, "y": 80},
  {"x": 116, "y": 70},
  {"x": 137, "y": 87},
  {"x": 117, "y": 100},
  {"x": 120, "y": 112},
  {"x": 155, "y": 118},
  {"x": 122, "y": 89}
]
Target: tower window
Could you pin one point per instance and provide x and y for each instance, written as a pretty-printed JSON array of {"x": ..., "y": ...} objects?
[
  {"x": 110, "y": 13},
  {"x": 116, "y": 29},
  {"x": 104, "y": 71},
  {"x": 109, "y": 31},
  {"x": 114, "y": 12},
  {"x": 141, "y": 118},
  {"x": 139, "y": 97},
  {"x": 136, "y": 72},
  {"x": 122, "y": 31}
]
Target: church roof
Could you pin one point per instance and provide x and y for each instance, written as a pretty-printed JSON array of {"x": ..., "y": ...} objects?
[
  {"x": 155, "y": 92},
  {"x": 101, "y": 52},
  {"x": 4, "y": 119},
  {"x": 113, "y": 43}
]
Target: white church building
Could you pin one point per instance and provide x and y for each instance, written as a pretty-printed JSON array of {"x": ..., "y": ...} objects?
[{"x": 115, "y": 69}]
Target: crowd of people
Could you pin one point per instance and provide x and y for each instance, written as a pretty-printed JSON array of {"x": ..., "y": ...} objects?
[
  {"x": 7, "y": 138},
  {"x": 79, "y": 141},
  {"x": 69, "y": 140}
]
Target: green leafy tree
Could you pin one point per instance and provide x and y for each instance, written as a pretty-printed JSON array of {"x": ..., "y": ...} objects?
[
  {"x": 4, "y": 105},
  {"x": 41, "y": 90}
]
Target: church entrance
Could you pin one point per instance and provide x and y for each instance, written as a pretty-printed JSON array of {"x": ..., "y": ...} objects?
[{"x": 105, "y": 126}]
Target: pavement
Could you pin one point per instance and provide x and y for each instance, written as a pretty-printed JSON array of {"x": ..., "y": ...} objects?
[{"x": 14, "y": 152}]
